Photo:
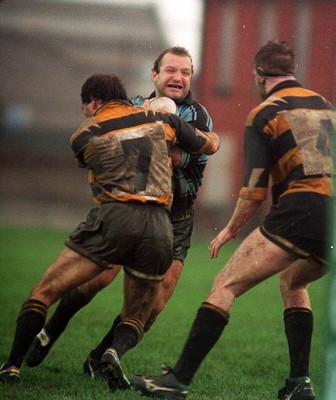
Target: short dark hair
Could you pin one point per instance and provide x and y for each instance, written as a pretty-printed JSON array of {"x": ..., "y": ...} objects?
[
  {"x": 176, "y": 50},
  {"x": 105, "y": 87},
  {"x": 276, "y": 58}
]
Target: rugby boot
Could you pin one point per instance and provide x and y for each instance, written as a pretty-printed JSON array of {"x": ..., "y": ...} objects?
[
  {"x": 9, "y": 373},
  {"x": 92, "y": 367},
  {"x": 111, "y": 367},
  {"x": 297, "y": 389},
  {"x": 165, "y": 386},
  {"x": 39, "y": 349}
]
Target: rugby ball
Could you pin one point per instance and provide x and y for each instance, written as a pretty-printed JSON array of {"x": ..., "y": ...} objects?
[{"x": 163, "y": 103}]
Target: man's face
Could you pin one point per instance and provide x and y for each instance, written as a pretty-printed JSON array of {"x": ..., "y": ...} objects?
[{"x": 174, "y": 77}]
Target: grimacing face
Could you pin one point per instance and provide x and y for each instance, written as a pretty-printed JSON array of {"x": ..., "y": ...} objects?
[{"x": 174, "y": 77}]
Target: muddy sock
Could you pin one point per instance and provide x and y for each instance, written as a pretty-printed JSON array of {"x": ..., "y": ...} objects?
[{"x": 127, "y": 335}]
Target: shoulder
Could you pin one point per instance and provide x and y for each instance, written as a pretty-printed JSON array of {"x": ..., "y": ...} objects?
[
  {"x": 267, "y": 110},
  {"x": 194, "y": 112},
  {"x": 191, "y": 104}
]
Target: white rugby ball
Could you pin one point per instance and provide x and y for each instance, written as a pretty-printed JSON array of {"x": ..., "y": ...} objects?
[{"x": 163, "y": 103}]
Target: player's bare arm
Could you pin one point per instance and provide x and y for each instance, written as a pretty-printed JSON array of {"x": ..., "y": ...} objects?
[
  {"x": 244, "y": 211},
  {"x": 213, "y": 137}
]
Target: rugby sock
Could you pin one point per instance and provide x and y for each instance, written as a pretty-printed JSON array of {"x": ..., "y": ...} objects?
[
  {"x": 107, "y": 341},
  {"x": 98, "y": 351},
  {"x": 127, "y": 335},
  {"x": 68, "y": 306},
  {"x": 207, "y": 328},
  {"x": 299, "y": 329},
  {"x": 30, "y": 321}
]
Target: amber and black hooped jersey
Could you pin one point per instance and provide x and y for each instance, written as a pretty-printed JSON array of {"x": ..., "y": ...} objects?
[
  {"x": 288, "y": 139},
  {"x": 127, "y": 152}
]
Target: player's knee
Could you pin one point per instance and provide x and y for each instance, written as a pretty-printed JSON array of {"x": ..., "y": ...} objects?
[
  {"x": 45, "y": 294},
  {"x": 290, "y": 283},
  {"x": 285, "y": 282}
]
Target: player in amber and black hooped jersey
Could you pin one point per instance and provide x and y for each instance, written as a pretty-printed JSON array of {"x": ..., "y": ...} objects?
[
  {"x": 288, "y": 139},
  {"x": 126, "y": 150},
  {"x": 119, "y": 128}
]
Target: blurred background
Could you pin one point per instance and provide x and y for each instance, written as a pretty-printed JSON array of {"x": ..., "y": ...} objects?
[{"x": 48, "y": 48}]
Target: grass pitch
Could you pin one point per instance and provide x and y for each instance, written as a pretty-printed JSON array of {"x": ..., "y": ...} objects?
[{"x": 249, "y": 362}]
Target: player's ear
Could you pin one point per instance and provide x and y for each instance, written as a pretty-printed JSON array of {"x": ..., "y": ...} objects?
[
  {"x": 260, "y": 80},
  {"x": 154, "y": 76},
  {"x": 95, "y": 104}
]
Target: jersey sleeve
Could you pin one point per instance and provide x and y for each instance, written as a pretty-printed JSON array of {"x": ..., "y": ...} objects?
[
  {"x": 80, "y": 140},
  {"x": 258, "y": 160},
  {"x": 188, "y": 138}
]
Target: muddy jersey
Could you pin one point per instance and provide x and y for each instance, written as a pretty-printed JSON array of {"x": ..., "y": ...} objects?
[
  {"x": 127, "y": 152},
  {"x": 288, "y": 140}
]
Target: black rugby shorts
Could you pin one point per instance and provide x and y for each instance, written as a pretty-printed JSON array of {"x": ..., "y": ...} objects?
[
  {"x": 182, "y": 229},
  {"x": 136, "y": 235},
  {"x": 299, "y": 225}
]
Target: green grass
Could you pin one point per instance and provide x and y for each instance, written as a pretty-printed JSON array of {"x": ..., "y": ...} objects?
[{"x": 249, "y": 362}]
